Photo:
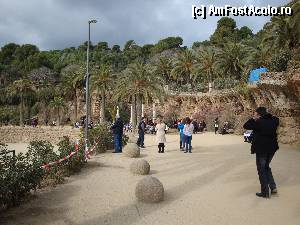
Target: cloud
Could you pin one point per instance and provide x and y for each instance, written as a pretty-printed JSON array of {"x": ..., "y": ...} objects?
[{"x": 57, "y": 24}]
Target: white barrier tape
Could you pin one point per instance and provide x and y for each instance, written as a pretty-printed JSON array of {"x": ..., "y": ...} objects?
[{"x": 48, "y": 165}]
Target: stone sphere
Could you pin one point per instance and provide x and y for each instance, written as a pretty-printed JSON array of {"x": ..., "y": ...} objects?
[
  {"x": 149, "y": 189},
  {"x": 132, "y": 150},
  {"x": 132, "y": 138},
  {"x": 140, "y": 167}
]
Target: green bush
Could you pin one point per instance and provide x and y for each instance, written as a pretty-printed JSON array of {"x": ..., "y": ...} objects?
[
  {"x": 103, "y": 138},
  {"x": 18, "y": 176},
  {"x": 279, "y": 62},
  {"x": 42, "y": 152},
  {"x": 65, "y": 147},
  {"x": 243, "y": 89},
  {"x": 224, "y": 83}
]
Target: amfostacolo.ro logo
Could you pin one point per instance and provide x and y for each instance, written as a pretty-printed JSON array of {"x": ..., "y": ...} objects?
[{"x": 203, "y": 11}]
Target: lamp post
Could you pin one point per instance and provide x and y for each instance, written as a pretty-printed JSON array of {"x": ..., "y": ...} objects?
[{"x": 87, "y": 96}]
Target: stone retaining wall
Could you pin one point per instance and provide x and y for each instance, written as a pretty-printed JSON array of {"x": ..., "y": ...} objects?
[{"x": 16, "y": 134}]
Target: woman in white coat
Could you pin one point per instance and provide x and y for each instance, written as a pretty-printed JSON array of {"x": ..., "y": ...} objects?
[{"x": 160, "y": 135}]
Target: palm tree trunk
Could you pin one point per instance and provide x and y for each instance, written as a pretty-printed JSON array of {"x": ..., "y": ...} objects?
[
  {"x": 76, "y": 106},
  {"x": 21, "y": 110},
  {"x": 58, "y": 116},
  {"x": 133, "y": 112},
  {"x": 102, "y": 107},
  {"x": 138, "y": 107}
]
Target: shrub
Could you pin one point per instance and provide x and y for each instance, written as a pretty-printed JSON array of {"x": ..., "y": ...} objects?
[
  {"x": 279, "y": 62},
  {"x": 65, "y": 147},
  {"x": 42, "y": 152},
  {"x": 243, "y": 89},
  {"x": 103, "y": 138},
  {"x": 224, "y": 83},
  {"x": 18, "y": 176}
]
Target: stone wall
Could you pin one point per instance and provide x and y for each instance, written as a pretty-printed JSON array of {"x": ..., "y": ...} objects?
[
  {"x": 15, "y": 134},
  {"x": 279, "y": 92}
]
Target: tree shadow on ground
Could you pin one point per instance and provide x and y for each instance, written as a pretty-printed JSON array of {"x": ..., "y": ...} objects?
[{"x": 47, "y": 202}]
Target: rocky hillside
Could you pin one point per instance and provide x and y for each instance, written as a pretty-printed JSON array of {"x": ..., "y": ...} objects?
[{"x": 279, "y": 92}]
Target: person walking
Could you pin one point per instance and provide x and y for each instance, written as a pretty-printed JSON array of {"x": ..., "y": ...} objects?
[
  {"x": 188, "y": 132},
  {"x": 216, "y": 125},
  {"x": 117, "y": 129},
  {"x": 264, "y": 145},
  {"x": 180, "y": 127},
  {"x": 160, "y": 135},
  {"x": 141, "y": 131}
]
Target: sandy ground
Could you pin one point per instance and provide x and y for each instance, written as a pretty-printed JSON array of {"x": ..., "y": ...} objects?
[
  {"x": 21, "y": 147},
  {"x": 215, "y": 185}
]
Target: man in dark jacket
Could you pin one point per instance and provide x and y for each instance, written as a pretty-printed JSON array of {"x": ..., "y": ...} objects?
[
  {"x": 117, "y": 129},
  {"x": 141, "y": 131},
  {"x": 264, "y": 145}
]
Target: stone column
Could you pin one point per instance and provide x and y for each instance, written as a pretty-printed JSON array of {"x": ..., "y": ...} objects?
[
  {"x": 209, "y": 87},
  {"x": 153, "y": 112},
  {"x": 142, "y": 110},
  {"x": 131, "y": 113},
  {"x": 118, "y": 113}
]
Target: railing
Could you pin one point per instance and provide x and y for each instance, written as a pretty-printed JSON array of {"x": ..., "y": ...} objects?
[{"x": 5, "y": 152}]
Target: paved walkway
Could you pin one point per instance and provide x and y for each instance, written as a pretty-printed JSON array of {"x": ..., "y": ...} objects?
[{"x": 215, "y": 185}]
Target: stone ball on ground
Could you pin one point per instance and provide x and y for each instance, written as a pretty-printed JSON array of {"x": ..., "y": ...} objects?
[
  {"x": 132, "y": 138},
  {"x": 149, "y": 189},
  {"x": 140, "y": 167},
  {"x": 132, "y": 150}
]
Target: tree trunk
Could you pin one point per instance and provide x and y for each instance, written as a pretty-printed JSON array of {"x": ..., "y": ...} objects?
[
  {"x": 102, "y": 107},
  {"x": 138, "y": 108},
  {"x": 76, "y": 106},
  {"x": 21, "y": 110},
  {"x": 133, "y": 112},
  {"x": 58, "y": 116}
]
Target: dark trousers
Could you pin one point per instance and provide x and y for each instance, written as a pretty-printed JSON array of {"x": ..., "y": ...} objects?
[
  {"x": 216, "y": 129},
  {"x": 140, "y": 141},
  {"x": 188, "y": 143},
  {"x": 161, "y": 147},
  {"x": 118, "y": 142},
  {"x": 264, "y": 172}
]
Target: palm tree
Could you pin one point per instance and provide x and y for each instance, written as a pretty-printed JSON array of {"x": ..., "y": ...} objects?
[
  {"x": 72, "y": 81},
  {"x": 163, "y": 68},
  {"x": 206, "y": 65},
  {"x": 57, "y": 103},
  {"x": 21, "y": 88},
  {"x": 139, "y": 83},
  {"x": 261, "y": 56},
  {"x": 183, "y": 66},
  {"x": 45, "y": 95},
  {"x": 233, "y": 58},
  {"x": 101, "y": 81},
  {"x": 284, "y": 32}
]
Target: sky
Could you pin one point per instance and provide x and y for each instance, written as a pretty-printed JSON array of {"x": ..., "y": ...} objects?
[{"x": 58, "y": 24}]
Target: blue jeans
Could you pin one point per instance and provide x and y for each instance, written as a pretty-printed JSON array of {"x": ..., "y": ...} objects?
[
  {"x": 264, "y": 172},
  {"x": 141, "y": 139},
  {"x": 181, "y": 143},
  {"x": 118, "y": 142},
  {"x": 188, "y": 143}
]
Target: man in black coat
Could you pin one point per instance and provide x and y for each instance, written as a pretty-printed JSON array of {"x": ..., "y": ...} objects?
[
  {"x": 141, "y": 131},
  {"x": 117, "y": 130},
  {"x": 264, "y": 145}
]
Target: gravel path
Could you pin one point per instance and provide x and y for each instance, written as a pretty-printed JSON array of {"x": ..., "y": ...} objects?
[{"x": 215, "y": 185}]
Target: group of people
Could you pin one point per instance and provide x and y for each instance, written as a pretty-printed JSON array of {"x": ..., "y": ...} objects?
[
  {"x": 186, "y": 130},
  {"x": 224, "y": 129},
  {"x": 263, "y": 142}
]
